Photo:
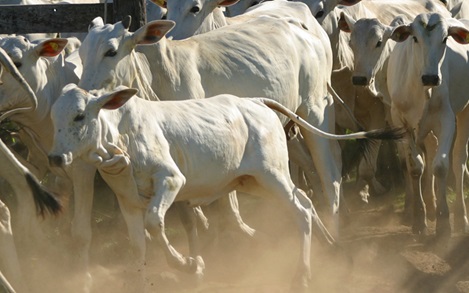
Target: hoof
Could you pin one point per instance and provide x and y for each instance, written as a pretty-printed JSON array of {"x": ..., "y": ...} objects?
[
  {"x": 461, "y": 225},
  {"x": 195, "y": 266},
  {"x": 300, "y": 283},
  {"x": 420, "y": 230}
]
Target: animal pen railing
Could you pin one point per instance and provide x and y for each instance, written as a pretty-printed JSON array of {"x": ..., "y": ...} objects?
[{"x": 70, "y": 18}]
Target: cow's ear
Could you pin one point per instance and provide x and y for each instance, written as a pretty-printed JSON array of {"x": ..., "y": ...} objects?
[
  {"x": 227, "y": 2},
  {"x": 348, "y": 2},
  {"x": 401, "y": 33},
  {"x": 346, "y": 22},
  {"x": 96, "y": 22},
  {"x": 116, "y": 99},
  {"x": 51, "y": 47},
  {"x": 161, "y": 3},
  {"x": 152, "y": 32},
  {"x": 459, "y": 34}
]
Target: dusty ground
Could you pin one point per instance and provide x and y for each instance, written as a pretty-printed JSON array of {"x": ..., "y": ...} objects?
[{"x": 378, "y": 254}]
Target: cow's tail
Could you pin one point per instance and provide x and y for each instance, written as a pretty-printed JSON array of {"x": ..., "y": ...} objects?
[
  {"x": 43, "y": 199},
  {"x": 385, "y": 133},
  {"x": 341, "y": 102}
]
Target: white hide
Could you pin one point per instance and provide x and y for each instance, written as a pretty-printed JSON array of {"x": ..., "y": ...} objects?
[
  {"x": 236, "y": 59},
  {"x": 429, "y": 66},
  {"x": 239, "y": 142}
]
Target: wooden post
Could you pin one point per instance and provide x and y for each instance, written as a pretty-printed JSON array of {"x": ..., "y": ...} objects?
[
  {"x": 134, "y": 8},
  {"x": 50, "y": 18}
]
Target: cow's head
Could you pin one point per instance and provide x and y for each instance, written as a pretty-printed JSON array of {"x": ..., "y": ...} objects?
[
  {"x": 369, "y": 42},
  {"x": 194, "y": 16},
  {"x": 429, "y": 34},
  {"x": 78, "y": 131},
  {"x": 29, "y": 59},
  {"x": 108, "y": 54}
]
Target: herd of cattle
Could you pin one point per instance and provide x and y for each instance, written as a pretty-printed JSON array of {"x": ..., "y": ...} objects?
[{"x": 157, "y": 113}]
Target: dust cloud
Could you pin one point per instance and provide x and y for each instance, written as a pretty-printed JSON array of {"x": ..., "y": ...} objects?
[{"x": 377, "y": 253}]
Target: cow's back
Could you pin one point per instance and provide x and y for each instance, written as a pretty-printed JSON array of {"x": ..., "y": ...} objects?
[
  {"x": 211, "y": 141},
  {"x": 269, "y": 57}
]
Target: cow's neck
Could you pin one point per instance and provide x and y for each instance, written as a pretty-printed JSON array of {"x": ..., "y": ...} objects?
[
  {"x": 213, "y": 21},
  {"x": 171, "y": 65},
  {"x": 47, "y": 91}
]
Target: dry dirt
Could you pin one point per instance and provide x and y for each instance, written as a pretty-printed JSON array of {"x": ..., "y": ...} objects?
[{"x": 377, "y": 254}]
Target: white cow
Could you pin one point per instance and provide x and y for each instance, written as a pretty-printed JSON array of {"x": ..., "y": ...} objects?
[
  {"x": 240, "y": 143},
  {"x": 371, "y": 43},
  {"x": 194, "y": 18},
  {"x": 241, "y": 6},
  {"x": 368, "y": 113},
  {"x": 460, "y": 10},
  {"x": 25, "y": 186},
  {"x": 236, "y": 59},
  {"x": 429, "y": 66}
]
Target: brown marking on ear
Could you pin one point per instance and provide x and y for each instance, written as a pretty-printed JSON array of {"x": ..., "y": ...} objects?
[
  {"x": 342, "y": 24},
  {"x": 227, "y": 2},
  {"x": 115, "y": 102},
  {"x": 53, "y": 47},
  {"x": 460, "y": 35},
  {"x": 348, "y": 2},
  {"x": 161, "y": 3}
]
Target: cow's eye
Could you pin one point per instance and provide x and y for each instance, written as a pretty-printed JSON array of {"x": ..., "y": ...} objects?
[
  {"x": 111, "y": 53},
  {"x": 415, "y": 39},
  {"x": 17, "y": 64},
  {"x": 195, "y": 9},
  {"x": 79, "y": 117},
  {"x": 379, "y": 44}
]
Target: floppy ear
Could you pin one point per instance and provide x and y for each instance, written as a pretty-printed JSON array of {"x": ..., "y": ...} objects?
[
  {"x": 116, "y": 99},
  {"x": 127, "y": 21},
  {"x": 459, "y": 34},
  {"x": 401, "y": 33},
  {"x": 51, "y": 47},
  {"x": 346, "y": 23},
  {"x": 152, "y": 32},
  {"x": 348, "y": 2},
  {"x": 97, "y": 21},
  {"x": 161, "y": 3},
  {"x": 227, "y": 2}
]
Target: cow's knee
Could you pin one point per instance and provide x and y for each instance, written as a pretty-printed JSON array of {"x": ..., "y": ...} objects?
[
  {"x": 417, "y": 167},
  {"x": 440, "y": 167}
]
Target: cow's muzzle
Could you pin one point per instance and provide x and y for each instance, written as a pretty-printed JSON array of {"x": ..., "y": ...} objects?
[
  {"x": 430, "y": 80},
  {"x": 56, "y": 161},
  {"x": 359, "y": 80}
]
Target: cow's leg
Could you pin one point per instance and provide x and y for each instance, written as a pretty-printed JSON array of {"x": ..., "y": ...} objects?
[
  {"x": 231, "y": 206},
  {"x": 444, "y": 130},
  {"x": 5, "y": 285},
  {"x": 188, "y": 217},
  {"x": 326, "y": 155},
  {"x": 8, "y": 255},
  {"x": 300, "y": 156},
  {"x": 415, "y": 166},
  {"x": 282, "y": 188},
  {"x": 367, "y": 172},
  {"x": 370, "y": 111},
  {"x": 83, "y": 186},
  {"x": 118, "y": 174},
  {"x": 460, "y": 156},
  {"x": 167, "y": 184},
  {"x": 428, "y": 188}
]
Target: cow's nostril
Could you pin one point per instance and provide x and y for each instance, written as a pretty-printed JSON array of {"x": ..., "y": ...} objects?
[
  {"x": 430, "y": 79},
  {"x": 359, "y": 80},
  {"x": 56, "y": 161}
]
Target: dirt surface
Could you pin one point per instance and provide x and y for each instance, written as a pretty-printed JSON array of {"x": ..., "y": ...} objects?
[{"x": 377, "y": 254}]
